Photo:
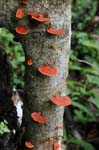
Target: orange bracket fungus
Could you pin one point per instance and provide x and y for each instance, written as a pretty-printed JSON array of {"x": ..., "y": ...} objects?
[
  {"x": 56, "y": 146},
  {"x": 61, "y": 100},
  {"x": 24, "y": 2},
  {"x": 20, "y": 13},
  {"x": 39, "y": 17},
  {"x": 48, "y": 71},
  {"x": 28, "y": 144},
  {"x": 29, "y": 62},
  {"x": 21, "y": 29},
  {"x": 59, "y": 127},
  {"x": 36, "y": 116},
  {"x": 55, "y": 32}
]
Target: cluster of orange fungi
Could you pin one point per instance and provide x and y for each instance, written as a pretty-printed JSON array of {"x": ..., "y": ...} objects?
[
  {"x": 44, "y": 70},
  {"x": 20, "y": 13}
]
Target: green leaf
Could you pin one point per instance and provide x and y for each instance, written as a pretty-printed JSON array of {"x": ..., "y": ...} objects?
[
  {"x": 95, "y": 100},
  {"x": 81, "y": 143},
  {"x": 93, "y": 79},
  {"x": 83, "y": 108},
  {"x": 4, "y": 127}
]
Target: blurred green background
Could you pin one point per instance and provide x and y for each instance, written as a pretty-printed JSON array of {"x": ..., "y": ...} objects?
[
  {"x": 16, "y": 56},
  {"x": 83, "y": 81}
]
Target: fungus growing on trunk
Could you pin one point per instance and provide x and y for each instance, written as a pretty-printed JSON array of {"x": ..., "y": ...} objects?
[
  {"x": 39, "y": 17},
  {"x": 59, "y": 127},
  {"x": 29, "y": 62},
  {"x": 20, "y": 13},
  {"x": 28, "y": 144},
  {"x": 21, "y": 29},
  {"x": 61, "y": 100},
  {"x": 56, "y": 146},
  {"x": 54, "y": 31},
  {"x": 48, "y": 71},
  {"x": 38, "y": 117}
]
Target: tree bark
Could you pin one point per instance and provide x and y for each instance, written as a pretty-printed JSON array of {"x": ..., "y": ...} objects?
[{"x": 44, "y": 49}]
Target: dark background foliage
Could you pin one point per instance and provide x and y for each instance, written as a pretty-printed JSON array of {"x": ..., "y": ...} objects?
[{"x": 83, "y": 80}]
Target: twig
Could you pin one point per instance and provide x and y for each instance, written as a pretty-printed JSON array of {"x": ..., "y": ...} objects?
[{"x": 88, "y": 63}]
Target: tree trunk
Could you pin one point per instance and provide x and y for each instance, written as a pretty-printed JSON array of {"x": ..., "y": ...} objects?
[{"x": 43, "y": 49}]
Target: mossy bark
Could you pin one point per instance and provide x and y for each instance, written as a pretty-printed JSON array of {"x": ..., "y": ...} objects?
[{"x": 44, "y": 49}]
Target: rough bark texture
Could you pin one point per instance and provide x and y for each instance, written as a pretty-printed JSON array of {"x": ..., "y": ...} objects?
[{"x": 44, "y": 49}]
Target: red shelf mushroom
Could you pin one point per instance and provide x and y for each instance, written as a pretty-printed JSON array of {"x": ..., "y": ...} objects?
[
  {"x": 20, "y": 13},
  {"x": 59, "y": 127},
  {"x": 28, "y": 144},
  {"x": 39, "y": 17},
  {"x": 38, "y": 117},
  {"x": 54, "y": 31},
  {"x": 48, "y": 71},
  {"x": 29, "y": 62},
  {"x": 61, "y": 100},
  {"x": 21, "y": 29},
  {"x": 56, "y": 146}
]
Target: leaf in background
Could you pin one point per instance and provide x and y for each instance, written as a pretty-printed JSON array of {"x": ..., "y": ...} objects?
[
  {"x": 92, "y": 79},
  {"x": 82, "y": 107},
  {"x": 81, "y": 143},
  {"x": 95, "y": 100}
]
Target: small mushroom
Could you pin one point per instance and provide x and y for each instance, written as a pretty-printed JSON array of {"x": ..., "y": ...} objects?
[
  {"x": 39, "y": 17},
  {"x": 59, "y": 127},
  {"x": 56, "y": 146},
  {"x": 54, "y": 31},
  {"x": 21, "y": 29},
  {"x": 48, "y": 70},
  {"x": 61, "y": 100},
  {"x": 29, "y": 62},
  {"x": 20, "y": 13},
  {"x": 38, "y": 117},
  {"x": 29, "y": 144}
]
